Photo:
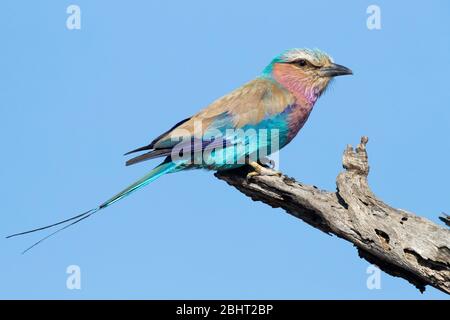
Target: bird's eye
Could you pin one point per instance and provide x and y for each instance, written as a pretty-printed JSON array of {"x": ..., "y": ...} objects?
[{"x": 302, "y": 62}]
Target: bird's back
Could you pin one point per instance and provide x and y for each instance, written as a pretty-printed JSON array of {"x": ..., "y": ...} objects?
[
  {"x": 260, "y": 117},
  {"x": 248, "y": 106}
]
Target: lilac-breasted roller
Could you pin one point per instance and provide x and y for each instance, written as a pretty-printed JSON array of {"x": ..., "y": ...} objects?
[{"x": 241, "y": 128}]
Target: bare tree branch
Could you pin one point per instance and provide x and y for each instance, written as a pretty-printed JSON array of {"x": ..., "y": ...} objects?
[{"x": 399, "y": 242}]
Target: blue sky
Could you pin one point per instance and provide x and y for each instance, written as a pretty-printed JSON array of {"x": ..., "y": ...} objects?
[{"x": 73, "y": 101}]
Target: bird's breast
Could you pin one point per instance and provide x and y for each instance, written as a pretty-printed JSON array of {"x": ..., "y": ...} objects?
[{"x": 296, "y": 115}]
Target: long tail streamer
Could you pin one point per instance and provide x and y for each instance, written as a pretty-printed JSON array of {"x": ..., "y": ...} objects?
[{"x": 157, "y": 172}]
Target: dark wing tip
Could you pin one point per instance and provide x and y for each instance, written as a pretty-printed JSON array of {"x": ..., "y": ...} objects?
[
  {"x": 149, "y": 155},
  {"x": 152, "y": 144},
  {"x": 147, "y": 147}
]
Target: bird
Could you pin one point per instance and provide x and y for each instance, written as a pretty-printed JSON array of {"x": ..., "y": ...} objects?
[{"x": 239, "y": 129}]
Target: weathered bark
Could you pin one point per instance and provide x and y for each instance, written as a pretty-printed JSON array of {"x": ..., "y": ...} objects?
[{"x": 398, "y": 242}]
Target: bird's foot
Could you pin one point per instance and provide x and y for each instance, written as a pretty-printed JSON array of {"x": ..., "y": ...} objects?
[{"x": 260, "y": 170}]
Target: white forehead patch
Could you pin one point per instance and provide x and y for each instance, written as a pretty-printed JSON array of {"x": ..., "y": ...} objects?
[{"x": 313, "y": 55}]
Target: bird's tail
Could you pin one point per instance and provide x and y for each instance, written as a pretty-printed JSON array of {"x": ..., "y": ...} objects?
[{"x": 157, "y": 172}]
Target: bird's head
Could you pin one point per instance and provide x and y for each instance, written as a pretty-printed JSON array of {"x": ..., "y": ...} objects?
[{"x": 304, "y": 72}]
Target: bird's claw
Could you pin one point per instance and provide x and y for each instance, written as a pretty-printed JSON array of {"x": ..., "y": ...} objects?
[{"x": 260, "y": 170}]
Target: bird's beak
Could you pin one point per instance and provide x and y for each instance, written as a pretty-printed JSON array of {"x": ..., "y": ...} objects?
[{"x": 334, "y": 70}]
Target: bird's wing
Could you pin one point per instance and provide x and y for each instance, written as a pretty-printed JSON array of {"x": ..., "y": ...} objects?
[{"x": 246, "y": 106}]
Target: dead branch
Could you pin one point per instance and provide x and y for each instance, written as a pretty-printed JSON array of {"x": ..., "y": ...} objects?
[{"x": 398, "y": 242}]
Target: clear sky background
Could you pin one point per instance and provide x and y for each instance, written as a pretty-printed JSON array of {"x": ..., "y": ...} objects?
[{"x": 73, "y": 101}]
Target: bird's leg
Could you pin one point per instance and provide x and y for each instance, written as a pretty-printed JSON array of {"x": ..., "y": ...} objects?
[{"x": 259, "y": 170}]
